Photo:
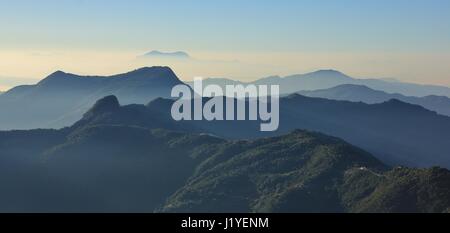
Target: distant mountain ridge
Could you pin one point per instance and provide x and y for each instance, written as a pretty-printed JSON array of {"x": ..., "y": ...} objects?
[
  {"x": 61, "y": 98},
  {"x": 159, "y": 54},
  {"x": 356, "y": 93},
  {"x": 324, "y": 79}
]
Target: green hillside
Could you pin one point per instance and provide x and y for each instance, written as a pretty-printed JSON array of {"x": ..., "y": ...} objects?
[
  {"x": 307, "y": 172},
  {"x": 100, "y": 165}
]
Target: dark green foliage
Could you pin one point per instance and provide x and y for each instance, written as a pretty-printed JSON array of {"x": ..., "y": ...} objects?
[
  {"x": 410, "y": 190},
  {"x": 300, "y": 172},
  {"x": 307, "y": 172}
]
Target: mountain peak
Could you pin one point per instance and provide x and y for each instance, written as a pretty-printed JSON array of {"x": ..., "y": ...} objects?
[
  {"x": 163, "y": 74},
  {"x": 328, "y": 72},
  {"x": 159, "y": 54},
  {"x": 106, "y": 104},
  {"x": 153, "y": 69},
  {"x": 57, "y": 73},
  {"x": 56, "y": 78}
]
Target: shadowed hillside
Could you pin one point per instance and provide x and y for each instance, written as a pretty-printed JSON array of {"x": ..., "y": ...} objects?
[
  {"x": 119, "y": 168},
  {"x": 307, "y": 172},
  {"x": 395, "y": 132}
]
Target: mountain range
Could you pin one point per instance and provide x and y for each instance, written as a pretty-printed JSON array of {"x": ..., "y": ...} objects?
[
  {"x": 119, "y": 150},
  {"x": 324, "y": 79},
  {"x": 395, "y": 132},
  {"x": 105, "y": 166},
  {"x": 159, "y": 54},
  {"x": 61, "y": 98},
  {"x": 358, "y": 93}
]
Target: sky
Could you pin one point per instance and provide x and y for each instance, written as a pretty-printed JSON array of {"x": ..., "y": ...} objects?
[{"x": 404, "y": 39}]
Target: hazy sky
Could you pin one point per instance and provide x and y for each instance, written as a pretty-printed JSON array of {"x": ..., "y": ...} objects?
[{"x": 405, "y": 39}]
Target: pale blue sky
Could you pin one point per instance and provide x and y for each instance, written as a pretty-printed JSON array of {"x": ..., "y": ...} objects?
[
  {"x": 369, "y": 27},
  {"x": 292, "y": 25}
]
